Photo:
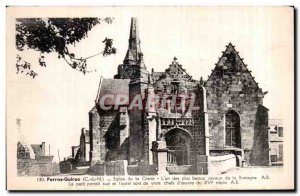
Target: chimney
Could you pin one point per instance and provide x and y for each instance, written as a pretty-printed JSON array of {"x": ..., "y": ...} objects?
[
  {"x": 73, "y": 151},
  {"x": 43, "y": 149}
]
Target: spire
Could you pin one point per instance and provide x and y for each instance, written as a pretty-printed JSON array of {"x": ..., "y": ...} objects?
[
  {"x": 134, "y": 42},
  {"x": 129, "y": 57}
]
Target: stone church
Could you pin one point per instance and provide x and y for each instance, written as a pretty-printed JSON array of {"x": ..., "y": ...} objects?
[{"x": 227, "y": 123}]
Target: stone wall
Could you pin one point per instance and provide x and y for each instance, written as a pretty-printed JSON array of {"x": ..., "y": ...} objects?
[
  {"x": 221, "y": 164},
  {"x": 260, "y": 150},
  {"x": 94, "y": 127},
  {"x": 152, "y": 125},
  {"x": 198, "y": 149},
  {"x": 111, "y": 168},
  {"x": 232, "y": 87},
  {"x": 109, "y": 134},
  {"x": 220, "y": 104},
  {"x": 82, "y": 150},
  {"x": 33, "y": 167},
  {"x": 136, "y": 139},
  {"x": 111, "y": 131},
  {"x": 141, "y": 170},
  {"x": 139, "y": 131},
  {"x": 66, "y": 166},
  {"x": 126, "y": 71},
  {"x": 199, "y": 144},
  {"x": 180, "y": 169},
  {"x": 124, "y": 125}
]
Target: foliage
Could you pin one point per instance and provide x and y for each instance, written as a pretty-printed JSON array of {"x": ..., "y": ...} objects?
[
  {"x": 24, "y": 67},
  {"x": 48, "y": 35}
]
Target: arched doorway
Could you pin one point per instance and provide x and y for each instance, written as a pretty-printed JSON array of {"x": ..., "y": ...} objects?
[
  {"x": 178, "y": 142},
  {"x": 232, "y": 129}
]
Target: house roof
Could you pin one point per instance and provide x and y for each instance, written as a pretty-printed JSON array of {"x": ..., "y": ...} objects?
[
  {"x": 37, "y": 148},
  {"x": 27, "y": 148},
  {"x": 111, "y": 88}
]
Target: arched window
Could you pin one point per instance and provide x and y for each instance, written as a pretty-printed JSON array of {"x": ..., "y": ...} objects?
[{"x": 232, "y": 129}]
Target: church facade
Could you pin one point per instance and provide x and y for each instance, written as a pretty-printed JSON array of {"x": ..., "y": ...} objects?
[{"x": 167, "y": 121}]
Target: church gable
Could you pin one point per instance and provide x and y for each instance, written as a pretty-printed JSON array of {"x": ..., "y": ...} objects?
[
  {"x": 175, "y": 75},
  {"x": 232, "y": 73},
  {"x": 175, "y": 71}
]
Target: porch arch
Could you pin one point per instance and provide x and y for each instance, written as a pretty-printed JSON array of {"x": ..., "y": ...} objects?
[{"x": 178, "y": 142}]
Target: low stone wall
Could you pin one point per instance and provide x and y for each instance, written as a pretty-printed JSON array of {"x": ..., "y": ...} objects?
[
  {"x": 120, "y": 168},
  {"x": 111, "y": 168},
  {"x": 32, "y": 167},
  {"x": 66, "y": 166},
  {"x": 141, "y": 170},
  {"x": 116, "y": 168},
  {"x": 179, "y": 169},
  {"x": 220, "y": 164},
  {"x": 97, "y": 169}
]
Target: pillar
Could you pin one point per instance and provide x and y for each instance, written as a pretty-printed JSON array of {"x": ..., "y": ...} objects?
[{"x": 160, "y": 153}]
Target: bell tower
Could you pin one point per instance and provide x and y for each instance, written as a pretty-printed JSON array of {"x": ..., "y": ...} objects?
[
  {"x": 133, "y": 62},
  {"x": 134, "y": 49},
  {"x": 134, "y": 68}
]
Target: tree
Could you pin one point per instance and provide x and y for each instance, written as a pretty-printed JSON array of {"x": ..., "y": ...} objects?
[{"x": 48, "y": 35}]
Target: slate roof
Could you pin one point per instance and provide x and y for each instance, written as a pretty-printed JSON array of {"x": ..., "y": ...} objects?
[
  {"x": 113, "y": 87},
  {"x": 37, "y": 148},
  {"x": 27, "y": 148},
  {"x": 129, "y": 57}
]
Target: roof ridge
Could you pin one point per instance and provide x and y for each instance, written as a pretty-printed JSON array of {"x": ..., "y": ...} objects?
[
  {"x": 238, "y": 56},
  {"x": 180, "y": 66}
]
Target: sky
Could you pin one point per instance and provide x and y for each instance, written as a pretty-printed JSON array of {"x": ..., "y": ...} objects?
[{"x": 54, "y": 106}]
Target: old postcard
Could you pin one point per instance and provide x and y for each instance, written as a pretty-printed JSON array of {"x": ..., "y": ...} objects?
[{"x": 150, "y": 98}]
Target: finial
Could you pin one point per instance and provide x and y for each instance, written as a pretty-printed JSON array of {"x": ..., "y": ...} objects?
[
  {"x": 201, "y": 80},
  {"x": 230, "y": 44},
  {"x": 174, "y": 60}
]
